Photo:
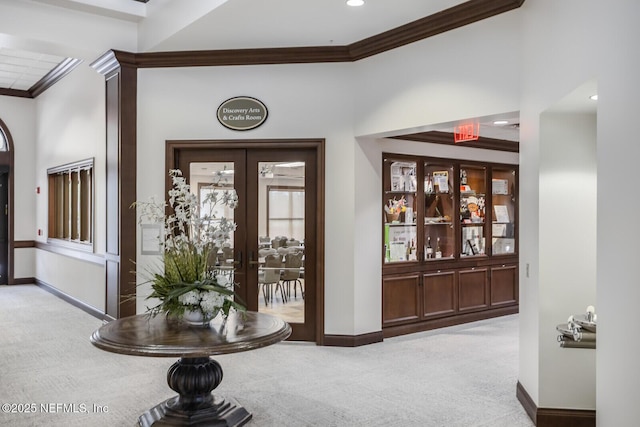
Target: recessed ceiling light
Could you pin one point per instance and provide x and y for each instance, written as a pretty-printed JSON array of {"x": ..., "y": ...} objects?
[
  {"x": 501, "y": 122},
  {"x": 594, "y": 97},
  {"x": 355, "y": 2}
]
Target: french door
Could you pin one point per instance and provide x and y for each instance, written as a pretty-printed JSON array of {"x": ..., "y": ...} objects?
[{"x": 274, "y": 248}]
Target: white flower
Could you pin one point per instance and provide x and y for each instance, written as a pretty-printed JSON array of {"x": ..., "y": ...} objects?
[
  {"x": 190, "y": 298},
  {"x": 189, "y": 235},
  {"x": 211, "y": 301}
]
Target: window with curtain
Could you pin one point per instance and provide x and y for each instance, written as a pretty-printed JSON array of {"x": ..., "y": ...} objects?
[
  {"x": 285, "y": 212},
  {"x": 71, "y": 203}
]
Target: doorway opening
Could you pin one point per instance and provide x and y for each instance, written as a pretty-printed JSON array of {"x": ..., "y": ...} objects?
[{"x": 6, "y": 206}]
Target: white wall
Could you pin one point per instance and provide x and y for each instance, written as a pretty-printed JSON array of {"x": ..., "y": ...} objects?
[
  {"x": 304, "y": 101},
  {"x": 608, "y": 52},
  {"x": 19, "y": 116},
  {"x": 81, "y": 280},
  {"x": 62, "y": 125},
  {"x": 468, "y": 72},
  {"x": 617, "y": 61},
  {"x": 547, "y": 76},
  {"x": 71, "y": 127},
  {"x": 567, "y": 256},
  {"x": 448, "y": 77}
]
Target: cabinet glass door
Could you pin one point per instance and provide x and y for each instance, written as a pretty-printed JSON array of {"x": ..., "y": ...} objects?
[
  {"x": 473, "y": 183},
  {"x": 399, "y": 210},
  {"x": 439, "y": 240},
  {"x": 503, "y": 215}
]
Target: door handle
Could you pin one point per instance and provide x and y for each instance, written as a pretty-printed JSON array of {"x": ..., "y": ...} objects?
[
  {"x": 251, "y": 261},
  {"x": 239, "y": 261}
]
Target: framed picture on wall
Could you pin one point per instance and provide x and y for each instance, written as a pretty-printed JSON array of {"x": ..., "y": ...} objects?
[{"x": 151, "y": 239}]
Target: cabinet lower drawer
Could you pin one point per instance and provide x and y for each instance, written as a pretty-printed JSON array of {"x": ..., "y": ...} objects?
[
  {"x": 439, "y": 293},
  {"x": 400, "y": 299},
  {"x": 504, "y": 285},
  {"x": 473, "y": 289}
]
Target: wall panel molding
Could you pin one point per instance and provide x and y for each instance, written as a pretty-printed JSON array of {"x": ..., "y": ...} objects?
[{"x": 71, "y": 300}]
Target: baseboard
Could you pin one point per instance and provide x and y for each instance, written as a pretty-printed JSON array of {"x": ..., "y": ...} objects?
[
  {"x": 71, "y": 300},
  {"x": 446, "y": 321},
  {"x": 352, "y": 340},
  {"x": 554, "y": 417},
  {"x": 527, "y": 402},
  {"x": 23, "y": 281}
]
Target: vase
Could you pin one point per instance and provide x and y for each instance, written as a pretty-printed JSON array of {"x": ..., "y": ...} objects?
[
  {"x": 197, "y": 318},
  {"x": 391, "y": 217}
]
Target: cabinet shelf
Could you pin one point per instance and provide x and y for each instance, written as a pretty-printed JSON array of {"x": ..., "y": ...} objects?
[
  {"x": 471, "y": 217},
  {"x": 399, "y": 192}
]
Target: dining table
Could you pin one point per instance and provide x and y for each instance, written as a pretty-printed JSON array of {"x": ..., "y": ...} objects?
[{"x": 195, "y": 374}]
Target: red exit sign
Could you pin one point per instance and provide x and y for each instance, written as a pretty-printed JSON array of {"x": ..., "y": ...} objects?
[{"x": 466, "y": 132}]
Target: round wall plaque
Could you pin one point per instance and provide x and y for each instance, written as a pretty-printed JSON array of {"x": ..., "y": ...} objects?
[{"x": 242, "y": 113}]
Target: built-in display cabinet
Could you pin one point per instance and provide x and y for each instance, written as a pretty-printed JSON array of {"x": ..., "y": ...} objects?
[{"x": 450, "y": 249}]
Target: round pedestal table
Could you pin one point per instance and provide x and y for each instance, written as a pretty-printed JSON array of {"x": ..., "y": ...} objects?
[{"x": 195, "y": 375}]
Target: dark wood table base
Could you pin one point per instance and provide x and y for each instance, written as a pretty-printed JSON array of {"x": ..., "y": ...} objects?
[
  {"x": 195, "y": 375},
  {"x": 194, "y": 379}
]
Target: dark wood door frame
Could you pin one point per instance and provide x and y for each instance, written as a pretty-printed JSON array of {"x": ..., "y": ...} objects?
[
  {"x": 173, "y": 148},
  {"x": 6, "y": 161}
]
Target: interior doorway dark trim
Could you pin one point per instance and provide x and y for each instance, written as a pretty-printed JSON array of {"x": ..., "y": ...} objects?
[
  {"x": 174, "y": 146},
  {"x": 6, "y": 159}
]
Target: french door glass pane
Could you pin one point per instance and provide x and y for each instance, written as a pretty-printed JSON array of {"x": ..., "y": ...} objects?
[
  {"x": 281, "y": 235},
  {"x": 217, "y": 178}
]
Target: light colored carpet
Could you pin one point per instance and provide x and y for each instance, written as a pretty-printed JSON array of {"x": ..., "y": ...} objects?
[{"x": 462, "y": 376}]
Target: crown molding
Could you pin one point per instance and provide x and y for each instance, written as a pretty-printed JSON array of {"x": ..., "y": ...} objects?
[
  {"x": 443, "y": 21},
  {"x": 446, "y": 20}
]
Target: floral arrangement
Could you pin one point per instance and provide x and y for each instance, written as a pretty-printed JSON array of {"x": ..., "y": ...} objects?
[
  {"x": 396, "y": 206},
  {"x": 186, "y": 283}
]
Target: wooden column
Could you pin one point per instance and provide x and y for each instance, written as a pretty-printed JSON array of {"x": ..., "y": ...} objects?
[{"x": 120, "y": 73}]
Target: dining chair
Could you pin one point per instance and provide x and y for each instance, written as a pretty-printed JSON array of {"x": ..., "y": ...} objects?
[
  {"x": 291, "y": 273},
  {"x": 269, "y": 277},
  {"x": 264, "y": 242},
  {"x": 293, "y": 243},
  {"x": 266, "y": 251}
]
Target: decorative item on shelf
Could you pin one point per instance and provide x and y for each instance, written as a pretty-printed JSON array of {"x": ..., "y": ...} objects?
[
  {"x": 472, "y": 209},
  {"x": 441, "y": 181},
  {"x": 188, "y": 286},
  {"x": 393, "y": 208},
  {"x": 428, "y": 250},
  {"x": 428, "y": 185},
  {"x": 579, "y": 331}
]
